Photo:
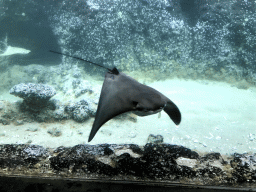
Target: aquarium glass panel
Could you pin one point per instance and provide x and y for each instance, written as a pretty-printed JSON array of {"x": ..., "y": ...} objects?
[{"x": 131, "y": 90}]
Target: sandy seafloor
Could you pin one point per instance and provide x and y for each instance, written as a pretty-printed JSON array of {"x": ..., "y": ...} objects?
[{"x": 215, "y": 117}]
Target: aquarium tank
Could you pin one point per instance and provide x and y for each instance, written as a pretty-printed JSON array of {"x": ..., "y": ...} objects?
[{"x": 152, "y": 92}]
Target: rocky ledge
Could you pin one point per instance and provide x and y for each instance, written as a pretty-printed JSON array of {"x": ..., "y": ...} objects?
[
  {"x": 152, "y": 162},
  {"x": 36, "y": 96}
]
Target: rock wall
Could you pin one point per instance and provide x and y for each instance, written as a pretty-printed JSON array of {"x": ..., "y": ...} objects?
[
  {"x": 150, "y": 163},
  {"x": 197, "y": 38}
]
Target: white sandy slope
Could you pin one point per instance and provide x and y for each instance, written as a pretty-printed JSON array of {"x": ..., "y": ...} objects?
[{"x": 215, "y": 117}]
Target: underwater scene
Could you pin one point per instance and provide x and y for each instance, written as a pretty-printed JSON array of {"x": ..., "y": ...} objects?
[{"x": 136, "y": 90}]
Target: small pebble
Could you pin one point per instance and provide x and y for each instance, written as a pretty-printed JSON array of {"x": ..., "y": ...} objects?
[
  {"x": 29, "y": 142},
  {"x": 54, "y": 132},
  {"x": 19, "y": 122},
  {"x": 80, "y": 132},
  {"x": 251, "y": 137},
  {"x": 156, "y": 139},
  {"x": 32, "y": 129}
]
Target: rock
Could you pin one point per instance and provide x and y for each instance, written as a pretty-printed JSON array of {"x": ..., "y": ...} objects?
[
  {"x": 81, "y": 87},
  {"x": 155, "y": 139},
  {"x": 60, "y": 114},
  {"x": 212, "y": 157},
  {"x": 36, "y": 96},
  {"x": 213, "y": 160},
  {"x": 158, "y": 163},
  {"x": 46, "y": 114},
  {"x": 32, "y": 129},
  {"x": 79, "y": 132},
  {"x": 127, "y": 164},
  {"x": 77, "y": 87},
  {"x": 11, "y": 113},
  {"x": 81, "y": 111},
  {"x": 24, "y": 155},
  {"x": 161, "y": 160},
  {"x": 81, "y": 114},
  {"x": 29, "y": 142},
  {"x": 83, "y": 158},
  {"x": 55, "y": 132},
  {"x": 187, "y": 162},
  {"x": 154, "y": 161},
  {"x": 19, "y": 122},
  {"x": 35, "y": 151},
  {"x": 244, "y": 166},
  {"x": 75, "y": 83},
  {"x": 4, "y": 121}
]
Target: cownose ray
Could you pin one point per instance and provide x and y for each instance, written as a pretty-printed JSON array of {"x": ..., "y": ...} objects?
[{"x": 120, "y": 93}]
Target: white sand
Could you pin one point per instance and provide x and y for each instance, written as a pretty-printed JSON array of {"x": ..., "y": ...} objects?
[{"x": 215, "y": 117}]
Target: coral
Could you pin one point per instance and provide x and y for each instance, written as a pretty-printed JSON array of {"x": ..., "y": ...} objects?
[
  {"x": 81, "y": 111},
  {"x": 36, "y": 96}
]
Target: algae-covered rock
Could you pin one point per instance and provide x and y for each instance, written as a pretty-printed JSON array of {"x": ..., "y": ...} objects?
[{"x": 36, "y": 96}]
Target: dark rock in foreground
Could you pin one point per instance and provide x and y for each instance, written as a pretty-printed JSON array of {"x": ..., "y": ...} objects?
[
  {"x": 162, "y": 163},
  {"x": 13, "y": 156}
]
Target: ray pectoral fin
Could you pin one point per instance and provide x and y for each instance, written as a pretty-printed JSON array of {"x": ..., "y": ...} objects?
[
  {"x": 102, "y": 116},
  {"x": 173, "y": 111},
  {"x": 96, "y": 126},
  {"x": 101, "y": 119},
  {"x": 93, "y": 132},
  {"x": 106, "y": 112}
]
